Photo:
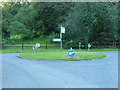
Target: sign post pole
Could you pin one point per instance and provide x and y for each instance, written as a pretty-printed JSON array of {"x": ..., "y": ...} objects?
[
  {"x": 62, "y": 30},
  {"x": 61, "y": 41},
  {"x": 89, "y": 46},
  {"x": 79, "y": 46}
]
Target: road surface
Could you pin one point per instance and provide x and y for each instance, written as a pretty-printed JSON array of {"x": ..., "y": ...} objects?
[{"x": 25, "y": 73}]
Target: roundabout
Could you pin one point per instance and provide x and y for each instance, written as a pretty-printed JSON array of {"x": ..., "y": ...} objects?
[
  {"x": 24, "y": 73},
  {"x": 63, "y": 56}
]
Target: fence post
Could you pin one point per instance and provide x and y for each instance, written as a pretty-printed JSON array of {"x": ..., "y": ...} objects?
[
  {"x": 46, "y": 46},
  {"x": 22, "y": 45}
]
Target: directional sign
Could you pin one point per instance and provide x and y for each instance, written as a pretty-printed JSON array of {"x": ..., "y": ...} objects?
[
  {"x": 56, "y": 39},
  {"x": 71, "y": 52}
]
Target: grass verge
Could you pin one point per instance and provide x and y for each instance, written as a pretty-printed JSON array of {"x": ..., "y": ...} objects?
[
  {"x": 63, "y": 56},
  {"x": 50, "y": 49}
]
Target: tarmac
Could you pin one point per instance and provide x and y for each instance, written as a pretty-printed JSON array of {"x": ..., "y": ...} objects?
[{"x": 25, "y": 73}]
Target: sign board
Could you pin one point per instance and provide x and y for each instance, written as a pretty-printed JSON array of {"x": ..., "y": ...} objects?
[
  {"x": 37, "y": 45},
  {"x": 62, "y": 29},
  {"x": 56, "y": 40},
  {"x": 71, "y": 52},
  {"x": 89, "y": 45}
]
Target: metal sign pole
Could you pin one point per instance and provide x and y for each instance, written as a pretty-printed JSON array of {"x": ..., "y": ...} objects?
[
  {"x": 89, "y": 46},
  {"x": 61, "y": 38},
  {"x": 62, "y": 30},
  {"x": 79, "y": 46},
  {"x": 61, "y": 41}
]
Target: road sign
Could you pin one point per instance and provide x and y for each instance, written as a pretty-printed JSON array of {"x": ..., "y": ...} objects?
[
  {"x": 89, "y": 46},
  {"x": 71, "y": 52},
  {"x": 62, "y": 29},
  {"x": 37, "y": 45},
  {"x": 56, "y": 39}
]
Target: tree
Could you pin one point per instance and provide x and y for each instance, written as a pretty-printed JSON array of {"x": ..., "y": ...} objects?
[
  {"x": 18, "y": 29},
  {"x": 92, "y": 22},
  {"x": 9, "y": 10},
  {"x": 51, "y": 14},
  {"x": 25, "y": 14}
]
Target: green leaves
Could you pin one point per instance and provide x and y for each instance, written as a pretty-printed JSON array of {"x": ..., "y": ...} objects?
[
  {"x": 92, "y": 22},
  {"x": 17, "y": 28},
  {"x": 85, "y": 22},
  {"x": 25, "y": 14}
]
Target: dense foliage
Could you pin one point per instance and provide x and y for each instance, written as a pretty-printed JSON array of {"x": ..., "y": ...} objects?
[
  {"x": 39, "y": 18},
  {"x": 85, "y": 22},
  {"x": 92, "y": 23}
]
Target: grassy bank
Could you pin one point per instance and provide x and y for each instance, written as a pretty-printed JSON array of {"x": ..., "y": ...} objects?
[{"x": 63, "y": 56}]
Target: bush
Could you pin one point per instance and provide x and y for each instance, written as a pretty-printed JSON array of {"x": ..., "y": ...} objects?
[
  {"x": 70, "y": 44},
  {"x": 18, "y": 29},
  {"x": 75, "y": 45},
  {"x": 8, "y": 41},
  {"x": 52, "y": 36}
]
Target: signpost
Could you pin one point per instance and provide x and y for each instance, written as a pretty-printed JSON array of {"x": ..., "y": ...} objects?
[
  {"x": 36, "y": 46},
  {"x": 89, "y": 46},
  {"x": 62, "y": 30},
  {"x": 71, "y": 53},
  {"x": 56, "y": 39},
  {"x": 79, "y": 45}
]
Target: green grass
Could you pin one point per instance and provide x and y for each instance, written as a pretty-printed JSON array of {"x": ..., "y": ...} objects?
[
  {"x": 62, "y": 55},
  {"x": 50, "y": 49},
  {"x": 53, "y": 53},
  {"x": 105, "y": 49}
]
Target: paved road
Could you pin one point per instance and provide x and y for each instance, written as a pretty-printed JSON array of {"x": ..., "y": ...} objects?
[
  {"x": 0, "y": 71},
  {"x": 24, "y": 73}
]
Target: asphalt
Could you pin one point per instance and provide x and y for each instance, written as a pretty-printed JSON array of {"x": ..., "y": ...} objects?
[
  {"x": 0, "y": 71},
  {"x": 25, "y": 73}
]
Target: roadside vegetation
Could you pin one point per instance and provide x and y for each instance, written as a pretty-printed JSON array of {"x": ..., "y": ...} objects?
[
  {"x": 26, "y": 23},
  {"x": 84, "y": 22},
  {"x": 52, "y": 47}
]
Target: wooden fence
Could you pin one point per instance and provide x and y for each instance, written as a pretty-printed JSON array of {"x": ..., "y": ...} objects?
[
  {"x": 94, "y": 45},
  {"x": 48, "y": 45},
  {"x": 23, "y": 45}
]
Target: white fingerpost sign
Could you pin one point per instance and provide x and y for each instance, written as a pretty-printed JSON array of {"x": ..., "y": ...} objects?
[{"x": 56, "y": 39}]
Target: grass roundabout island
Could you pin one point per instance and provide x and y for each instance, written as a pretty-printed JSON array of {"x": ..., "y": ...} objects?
[{"x": 63, "y": 56}]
